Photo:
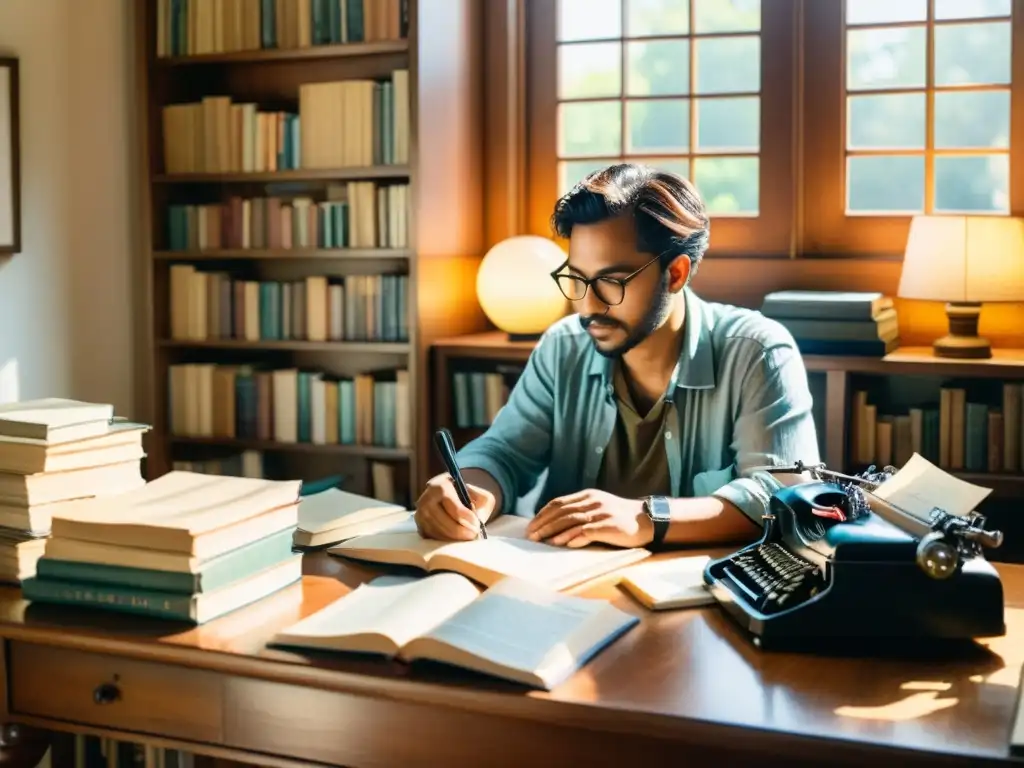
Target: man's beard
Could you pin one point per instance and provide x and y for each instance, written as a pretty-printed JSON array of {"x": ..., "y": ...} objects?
[{"x": 657, "y": 314}]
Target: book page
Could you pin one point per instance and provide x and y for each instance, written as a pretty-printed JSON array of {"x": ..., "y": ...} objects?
[
  {"x": 525, "y": 632},
  {"x": 920, "y": 486},
  {"x": 190, "y": 502},
  {"x": 334, "y": 507},
  {"x": 382, "y": 615},
  {"x": 677, "y": 582},
  {"x": 507, "y": 552}
]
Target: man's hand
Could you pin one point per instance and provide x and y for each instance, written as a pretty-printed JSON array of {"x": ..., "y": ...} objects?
[
  {"x": 440, "y": 514},
  {"x": 592, "y": 516}
]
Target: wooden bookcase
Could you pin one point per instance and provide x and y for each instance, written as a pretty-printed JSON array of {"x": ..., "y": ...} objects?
[
  {"x": 443, "y": 238},
  {"x": 833, "y": 380}
]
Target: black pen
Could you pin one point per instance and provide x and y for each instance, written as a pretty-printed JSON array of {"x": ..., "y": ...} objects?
[{"x": 446, "y": 447}]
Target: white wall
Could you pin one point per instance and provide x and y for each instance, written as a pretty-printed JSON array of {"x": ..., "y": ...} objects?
[{"x": 65, "y": 300}]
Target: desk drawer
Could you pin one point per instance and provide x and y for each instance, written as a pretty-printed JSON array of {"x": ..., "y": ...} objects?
[{"x": 106, "y": 691}]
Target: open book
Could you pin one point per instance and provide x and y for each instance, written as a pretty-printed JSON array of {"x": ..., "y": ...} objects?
[
  {"x": 673, "y": 583},
  {"x": 515, "y": 630},
  {"x": 507, "y": 552}
]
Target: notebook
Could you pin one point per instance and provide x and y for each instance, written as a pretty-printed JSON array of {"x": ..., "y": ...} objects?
[
  {"x": 515, "y": 630},
  {"x": 666, "y": 584},
  {"x": 506, "y": 552}
]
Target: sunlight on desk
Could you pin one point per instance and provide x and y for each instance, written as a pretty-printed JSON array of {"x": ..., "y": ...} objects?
[{"x": 912, "y": 707}]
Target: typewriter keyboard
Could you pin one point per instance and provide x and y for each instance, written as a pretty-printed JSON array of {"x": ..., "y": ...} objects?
[{"x": 771, "y": 578}]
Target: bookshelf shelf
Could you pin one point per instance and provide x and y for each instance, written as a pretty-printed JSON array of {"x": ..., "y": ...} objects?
[
  {"x": 379, "y": 48},
  {"x": 364, "y": 451},
  {"x": 418, "y": 224},
  {"x": 391, "y": 348},
  {"x": 369, "y": 172},
  {"x": 287, "y": 254}
]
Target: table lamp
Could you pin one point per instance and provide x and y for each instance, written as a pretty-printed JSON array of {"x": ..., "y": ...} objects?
[
  {"x": 964, "y": 261},
  {"x": 515, "y": 288}
]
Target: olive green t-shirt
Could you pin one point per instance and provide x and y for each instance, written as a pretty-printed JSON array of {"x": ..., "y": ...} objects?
[{"x": 635, "y": 462}]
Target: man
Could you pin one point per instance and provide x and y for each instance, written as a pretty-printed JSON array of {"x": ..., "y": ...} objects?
[{"x": 649, "y": 406}]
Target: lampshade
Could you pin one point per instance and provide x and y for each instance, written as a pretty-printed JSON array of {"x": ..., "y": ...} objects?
[
  {"x": 964, "y": 259},
  {"x": 515, "y": 288}
]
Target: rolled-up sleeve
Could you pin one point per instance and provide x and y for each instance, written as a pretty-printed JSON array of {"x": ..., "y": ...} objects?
[
  {"x": 516, "y": 447},
  {"x": 775, "y": 426}
]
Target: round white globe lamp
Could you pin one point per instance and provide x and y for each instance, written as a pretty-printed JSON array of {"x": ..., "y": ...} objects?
[{"x": 515, "y": 288}]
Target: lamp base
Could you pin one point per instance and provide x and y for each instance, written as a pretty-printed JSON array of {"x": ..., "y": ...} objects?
[
  {"x": 963, "y": 341},
  {"x": 523, "y": 336}
]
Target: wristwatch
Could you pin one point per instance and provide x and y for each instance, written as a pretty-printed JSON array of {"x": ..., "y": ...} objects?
[{"x": 657, "y": 509}]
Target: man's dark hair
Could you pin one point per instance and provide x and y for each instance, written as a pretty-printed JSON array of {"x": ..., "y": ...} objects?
[{"x": 671, "y": 219}]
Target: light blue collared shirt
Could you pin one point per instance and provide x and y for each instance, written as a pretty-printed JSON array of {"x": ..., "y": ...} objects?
[{"x": 741, "y": 401}]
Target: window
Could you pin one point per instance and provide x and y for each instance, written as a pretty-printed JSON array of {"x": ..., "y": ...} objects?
[
  {"x": 679, "y": 84},
  {"x": 924, "y": 123}
]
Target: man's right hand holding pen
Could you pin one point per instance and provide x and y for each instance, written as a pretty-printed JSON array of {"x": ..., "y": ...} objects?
[{"x": 440, "y": 514}]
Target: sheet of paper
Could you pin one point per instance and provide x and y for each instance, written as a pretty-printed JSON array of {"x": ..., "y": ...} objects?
[
  {"x": 920, "y": 486},
  {"x": 679, "y": 580}
]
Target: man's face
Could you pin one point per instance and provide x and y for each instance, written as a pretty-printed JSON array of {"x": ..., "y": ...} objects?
[{"x": 608, "y": 249}]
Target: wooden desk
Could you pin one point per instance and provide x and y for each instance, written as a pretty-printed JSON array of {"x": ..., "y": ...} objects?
[{"x": 684, "y": 685}]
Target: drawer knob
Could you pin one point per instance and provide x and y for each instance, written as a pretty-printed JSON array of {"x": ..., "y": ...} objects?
[{"x": 106, "y": 693}]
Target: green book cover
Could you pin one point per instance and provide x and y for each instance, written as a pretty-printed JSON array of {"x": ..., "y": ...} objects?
[{"x": 214, "y": 573}]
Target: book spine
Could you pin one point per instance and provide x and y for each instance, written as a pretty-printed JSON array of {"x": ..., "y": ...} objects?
[{"x": 126, "y": 600}]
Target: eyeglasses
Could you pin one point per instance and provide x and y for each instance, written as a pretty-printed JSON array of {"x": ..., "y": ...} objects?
[{"x": 610, "y": 290}]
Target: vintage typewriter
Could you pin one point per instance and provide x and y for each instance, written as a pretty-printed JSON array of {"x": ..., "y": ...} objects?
[{"x": 832, "y": 566}]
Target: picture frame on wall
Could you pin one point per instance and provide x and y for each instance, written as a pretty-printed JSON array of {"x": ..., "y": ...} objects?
[{"x": 10, "y": 171}]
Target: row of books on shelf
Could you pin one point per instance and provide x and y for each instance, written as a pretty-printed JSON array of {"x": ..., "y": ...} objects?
[
  {"x": 956, "y": 433},
  {"x": 207, "y": 305},
  {"x": 359, "y": 214},
  {"x": 836, "y": 322},
  {"x": 289, "y": 405},
  {"x": 477, "y": 396},
  {"x": 85, "y": 751},
  {"x": 194, "y": 27},
  {"x": 347, "y": 123}
]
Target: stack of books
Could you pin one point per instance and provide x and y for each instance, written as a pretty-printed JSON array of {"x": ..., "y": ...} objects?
[
  {"x": 836, "y": 322},
  {"x": 187, "y": 546},
  {"x": 55, "y": 452}
]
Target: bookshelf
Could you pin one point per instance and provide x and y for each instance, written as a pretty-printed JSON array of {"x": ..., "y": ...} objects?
[
  {"x": 309, "y": 225},
  {"x": 909, "y": 378}
]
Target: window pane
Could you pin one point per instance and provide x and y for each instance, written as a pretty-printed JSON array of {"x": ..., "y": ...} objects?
[
  {"x": 729, "y": 185},
  {"x": 970, "y": 9},
  {"x": 677, "y": 165},
  {"x": 590, "y": 129},
  {"x": 885, "y": 11},
  {"x": 658, "y": 125},
  {"x": 658, "y": 68},
  {"x": 972, "y": 119},
  {"x": 726, "y": 16},
  {"x": 729, "y": 125},
  {"x": 571, "y": 171},
  {"x": 972, "y": 53},
  {"x": 589, "y": 19},
  {"x": 728, "y": 64},
  {"x": 589, "y": 70},
  {"x": 886, "y": 58},
  {"x": 885, "y": 184},
  {"x": 979, "y": 183},
  {"x": 657, "y": 17},
  {"x": 893, "y": 121}
]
